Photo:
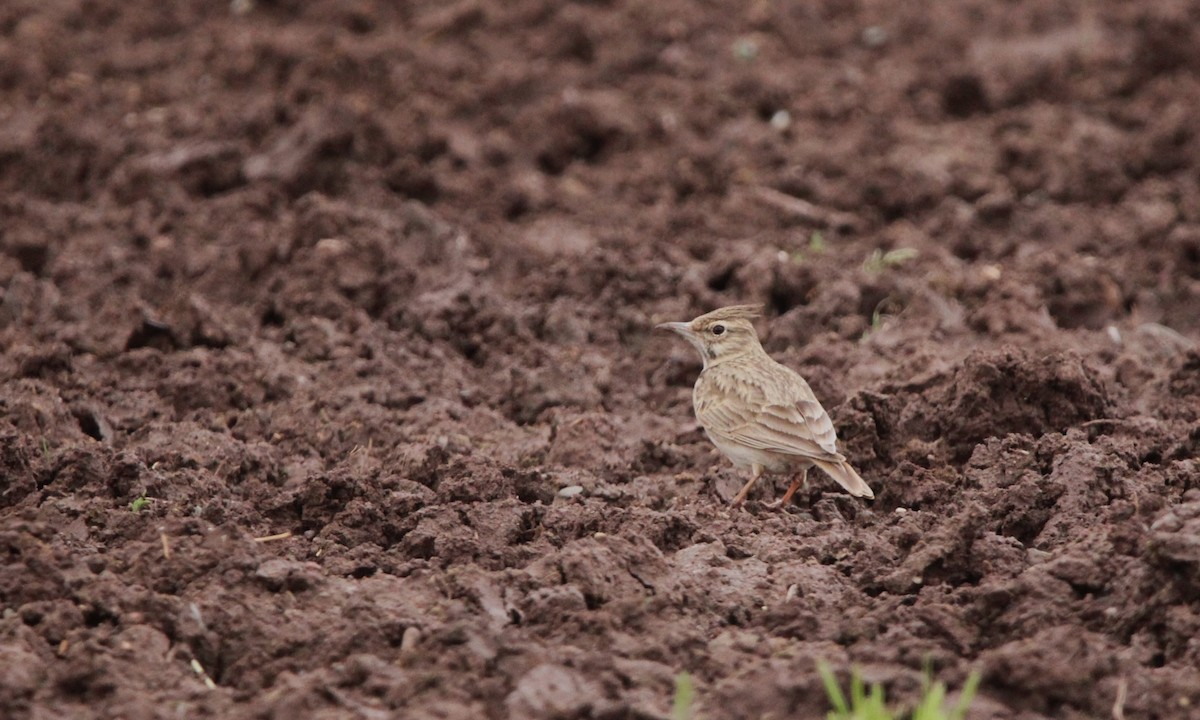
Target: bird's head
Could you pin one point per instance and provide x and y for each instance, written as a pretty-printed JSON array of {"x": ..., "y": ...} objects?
[{"x": 721, "y": 334}]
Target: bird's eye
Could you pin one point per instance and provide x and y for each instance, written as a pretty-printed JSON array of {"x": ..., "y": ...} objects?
[{"x": 718, "y": 329}]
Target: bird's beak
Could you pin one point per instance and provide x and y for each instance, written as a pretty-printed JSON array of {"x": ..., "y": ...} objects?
[{"x": 684, "y": 329}]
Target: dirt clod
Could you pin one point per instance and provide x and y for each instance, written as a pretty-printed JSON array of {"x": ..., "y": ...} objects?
[{"x": 329, "y": 386}]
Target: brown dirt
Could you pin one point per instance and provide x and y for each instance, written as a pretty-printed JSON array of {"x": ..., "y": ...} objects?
[{"x": 382, "y": 275}]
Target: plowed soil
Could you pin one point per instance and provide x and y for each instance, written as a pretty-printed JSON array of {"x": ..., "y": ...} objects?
[{"x": 330, "y": 388}]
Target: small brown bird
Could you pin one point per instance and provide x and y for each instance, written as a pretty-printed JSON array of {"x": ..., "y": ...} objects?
[{"x": 760, "y": 414}]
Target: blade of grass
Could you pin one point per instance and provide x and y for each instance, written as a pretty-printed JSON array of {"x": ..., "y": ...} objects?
[
  {"x": 968, "y": 694},
  {"x": 930, "y": 707},
  {"x": 685, "y": 693},
  {"x": 875, "y": 707},
  {"x": 858, "y": 695},
  {"x": 832, "y": 689}
]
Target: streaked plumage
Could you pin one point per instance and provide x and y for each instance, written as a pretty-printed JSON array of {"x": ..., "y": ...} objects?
[{"x": 760, "y": 414}]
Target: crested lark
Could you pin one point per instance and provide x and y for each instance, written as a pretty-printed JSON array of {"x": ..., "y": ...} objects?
[{"x": 758, "y": 413}]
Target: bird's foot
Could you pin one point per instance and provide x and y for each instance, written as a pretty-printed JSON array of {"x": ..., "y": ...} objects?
[{"x": 783, "y": 502}]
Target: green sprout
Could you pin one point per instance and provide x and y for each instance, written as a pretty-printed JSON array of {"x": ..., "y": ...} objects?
[
  {"x": 816, "y": 246},
  {"x": 871, "y": 705},
  {"x": 685, "y": 693},
  {"x": 884, "y": 310},
  {"x": 878, "y": 261},
  {"x": 139, "y": 504},
  {"x": 877, "y": 317}
]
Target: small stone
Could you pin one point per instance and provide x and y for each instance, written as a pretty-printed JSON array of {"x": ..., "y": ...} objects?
[
  {"x": 570, "y": 491},
  {"x": 874, "y": 36},
  {"x": 996, "y": 204},
  {"x": 781, "y": 120},
  {"x": 553, "y": 691},
  {"x": 332, "y": 247},
  {"x": 745, "y": 49},
  {"x": 279, "y": 574},
  {"x": 410, "y": 639}
]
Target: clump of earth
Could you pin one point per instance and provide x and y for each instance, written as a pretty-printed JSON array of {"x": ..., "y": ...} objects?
[{"x": 330, "y": 387}]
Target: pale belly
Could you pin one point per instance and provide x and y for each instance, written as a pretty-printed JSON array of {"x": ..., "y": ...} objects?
[{"x": 744, "y": 457}]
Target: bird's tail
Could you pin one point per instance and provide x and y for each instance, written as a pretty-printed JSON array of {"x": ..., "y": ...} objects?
[{"x": 847, "y": 477}]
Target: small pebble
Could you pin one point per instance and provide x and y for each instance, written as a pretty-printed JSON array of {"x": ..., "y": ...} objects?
[
  {"x": 874, "y": 36},
  {"x": 1036, "y": 557},
  {"x": 781, "y": 120},
  {"x": 410, "y": 639},
  {"x": 745, "y": 49},
  {"x": 570, "y": 491}
]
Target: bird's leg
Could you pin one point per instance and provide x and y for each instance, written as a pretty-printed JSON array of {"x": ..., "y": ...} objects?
[
  {"x": 755, "y": 471},
  {"x": 796, "y": 485}
]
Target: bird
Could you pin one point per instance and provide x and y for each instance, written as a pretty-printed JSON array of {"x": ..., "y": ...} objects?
[{"x": 760, "y": 414}]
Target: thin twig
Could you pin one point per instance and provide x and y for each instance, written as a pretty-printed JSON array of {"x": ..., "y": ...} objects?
[
  {"x": 1118, "y": 709},
  {"x": 199, "y": 670},
  {"x": 166, "y": 546},
  {"x": 804, "y": 210},
  {"x": 278, "y": 536}
]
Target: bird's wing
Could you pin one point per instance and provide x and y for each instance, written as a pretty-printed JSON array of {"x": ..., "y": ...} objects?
[{"x": 773, "y": 412}]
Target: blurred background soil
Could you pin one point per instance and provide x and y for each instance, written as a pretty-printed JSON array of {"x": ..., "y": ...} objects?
[{"x": 383, "y": 276}]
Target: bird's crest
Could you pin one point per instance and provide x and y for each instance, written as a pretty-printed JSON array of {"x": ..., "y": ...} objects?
[{"x": 734, "y": 312}]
